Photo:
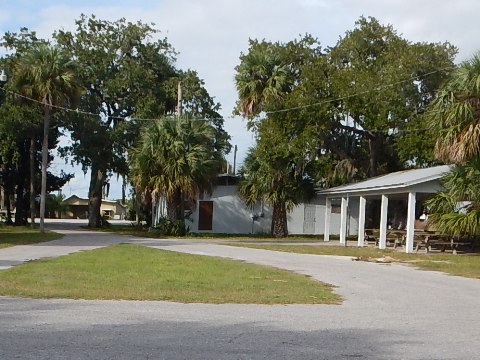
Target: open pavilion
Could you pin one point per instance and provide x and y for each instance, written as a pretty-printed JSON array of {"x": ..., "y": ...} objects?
[{"x": 411, "y": 185}]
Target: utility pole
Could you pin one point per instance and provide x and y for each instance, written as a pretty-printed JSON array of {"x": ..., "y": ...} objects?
[
  {"x": 180, "y": 112},
  {"x": 180, "y": 99}
]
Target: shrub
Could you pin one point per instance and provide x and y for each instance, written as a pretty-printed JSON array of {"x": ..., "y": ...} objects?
[{"x": 171, "y": 227}]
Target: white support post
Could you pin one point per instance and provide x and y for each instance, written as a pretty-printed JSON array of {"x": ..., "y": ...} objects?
[
  {"x": 328, "y": 214},
  {"x": 410, "y": 222},
  {"x": 361, "y": 221},
  {"x": 343, "y": 221},
  {"x": 383, "y": 223}
]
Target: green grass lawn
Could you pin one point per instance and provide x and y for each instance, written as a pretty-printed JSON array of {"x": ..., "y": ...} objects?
[
  {"x": 467, "y": 265},
  {"x": 134, "y": 272},
  {"x": 23, "y": 235},
  {"x": 143, "y": 232}
]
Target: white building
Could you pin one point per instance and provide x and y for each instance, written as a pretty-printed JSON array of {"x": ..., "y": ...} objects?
[
  {"x": 225, "y": 212},
  {"x": 338, "y": 211}
]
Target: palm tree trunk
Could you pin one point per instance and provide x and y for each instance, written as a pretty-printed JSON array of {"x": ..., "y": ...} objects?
[
  {"x": 43, "y": 193},
  {"x": 279, "y": 220},
  {"x": 173, "y": 206},
  {"x": 137, "y": 207},
  {"x": 124, "y": 186},
  {"x": 32, "y": 180}
]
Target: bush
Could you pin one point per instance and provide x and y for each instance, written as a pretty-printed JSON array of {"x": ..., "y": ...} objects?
[{"x": 171, "y": 227}]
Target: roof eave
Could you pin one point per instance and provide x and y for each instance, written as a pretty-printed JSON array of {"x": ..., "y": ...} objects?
[{"x": 346, "y": 190}]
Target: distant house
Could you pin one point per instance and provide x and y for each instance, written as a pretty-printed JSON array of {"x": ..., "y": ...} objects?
[{"x": 78, "y": 209}]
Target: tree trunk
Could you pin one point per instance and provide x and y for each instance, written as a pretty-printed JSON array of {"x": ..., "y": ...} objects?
[
  {"x": 124, "y": 186},
  {"x": 279, "y": 220},
  {"x": 147, "y": 207},
  {"x": 173, "y": 206},
  {"x": 8, "y": 194},
  {"x": 43, "y": 193},
  {"x": 32, "y": 180},
  {"x": 97, "y": 179},
  {"x": 375, "y": 147},
  {"x": 20, "y": 208},
  {"x": 137, "y": 207}
]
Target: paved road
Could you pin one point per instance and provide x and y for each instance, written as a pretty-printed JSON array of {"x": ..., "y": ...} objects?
[{"x": 389, "y": 312}]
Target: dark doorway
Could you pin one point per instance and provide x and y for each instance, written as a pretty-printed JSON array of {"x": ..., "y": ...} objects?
[{"x": 205, "y": 215}]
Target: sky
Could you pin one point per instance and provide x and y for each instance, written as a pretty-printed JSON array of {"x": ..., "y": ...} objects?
[{"x": 211, "y": 34}]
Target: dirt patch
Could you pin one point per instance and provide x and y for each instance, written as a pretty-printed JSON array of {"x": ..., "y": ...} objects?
[{"x": 389, "y": 260}]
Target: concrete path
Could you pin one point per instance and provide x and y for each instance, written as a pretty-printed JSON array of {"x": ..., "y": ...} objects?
[{"x": 389, "y": 312}]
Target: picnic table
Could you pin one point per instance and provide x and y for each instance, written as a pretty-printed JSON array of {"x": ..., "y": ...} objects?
[
  {"x": 435, "y": 239},
  {"x": 427, "y": 239},
  {"x": 395, "y": 237}
]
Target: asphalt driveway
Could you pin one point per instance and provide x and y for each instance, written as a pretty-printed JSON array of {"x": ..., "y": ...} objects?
[{"x": 389, "y": 312}]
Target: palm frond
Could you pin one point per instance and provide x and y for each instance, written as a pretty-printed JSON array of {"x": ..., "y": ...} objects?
[
  {"x": 176, "y": 155},
  {"x": 454, "y": 116}
]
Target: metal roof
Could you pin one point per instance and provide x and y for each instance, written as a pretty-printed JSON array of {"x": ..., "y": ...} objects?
[{"x": 396, "y": 180}]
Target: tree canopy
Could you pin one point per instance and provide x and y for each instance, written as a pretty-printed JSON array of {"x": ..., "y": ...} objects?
[
  {"x": 128, "y": 75},
  {"x": 356, "y": 107},
  {"x": 21, "y": 129}
]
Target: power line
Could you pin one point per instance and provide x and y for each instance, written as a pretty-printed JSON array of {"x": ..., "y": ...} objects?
[
  {"x": 88, "y": 113},
  {"x": 300, "y": 107},
  {"x": 377, "y": 88}
]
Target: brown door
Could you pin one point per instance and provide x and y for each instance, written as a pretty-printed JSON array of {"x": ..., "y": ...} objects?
[{"x": 205, "y": 215}]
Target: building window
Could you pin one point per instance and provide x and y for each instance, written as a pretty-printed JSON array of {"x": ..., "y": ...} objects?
[
  {"x": 336, "y": 206},
  {"x": 205, "y": 215}
]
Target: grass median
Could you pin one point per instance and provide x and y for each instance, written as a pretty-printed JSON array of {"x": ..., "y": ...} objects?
[
  {"x": 140, "y": 231},
  {"x": 467, "y": 265},
  {"x": 133, "y": 272},
  {"x": 23, "y": 235}
]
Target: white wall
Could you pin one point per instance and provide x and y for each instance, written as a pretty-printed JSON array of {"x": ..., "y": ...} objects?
[
  {"x": 353, "y": 207},
  {"x": 296, "y": 216},
  {"x": 231, "y": 215},
  {"x": 295, "y": 220}
]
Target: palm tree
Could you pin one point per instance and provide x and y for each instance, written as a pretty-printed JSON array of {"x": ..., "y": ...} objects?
[
  {"x": 177, "y": 159},
  {"x": 455, "y": 118},
  {"x": 47, "y": 75},
  {"x": 456, "y": 209},
  {"x": 261, "y": 79},
  {"x": 274, "y": 173},
  {"x": 264, "y": 78},
  {"x": 455, "y": 114}
]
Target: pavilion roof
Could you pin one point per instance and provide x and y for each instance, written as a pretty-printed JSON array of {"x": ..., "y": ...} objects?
[{"x": 392, "y": 182}]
